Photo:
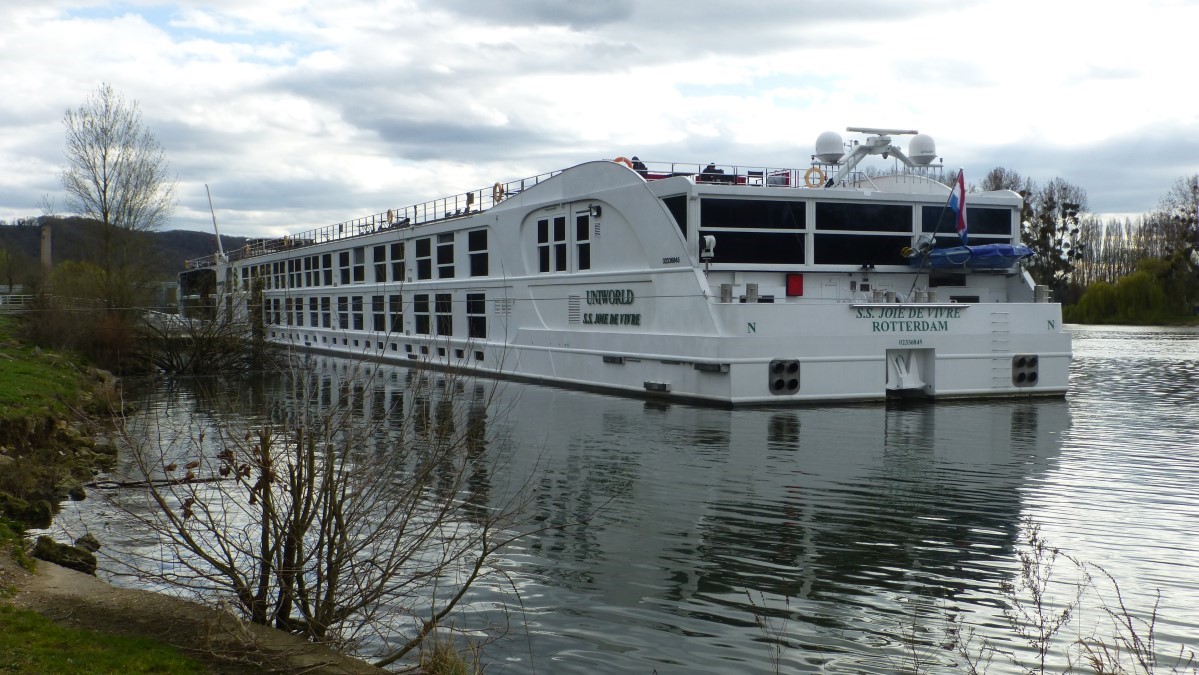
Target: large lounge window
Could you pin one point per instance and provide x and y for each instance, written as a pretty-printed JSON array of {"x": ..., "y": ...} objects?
[
  {"x": 755, "y": 231},
  {"x": 857, "y": 249},
  {"x": 863, "y": 217},
  {"x": 755, "y": 213},
  {"x": 979, "y": 220},
  {"x": 769, "y": 248}
]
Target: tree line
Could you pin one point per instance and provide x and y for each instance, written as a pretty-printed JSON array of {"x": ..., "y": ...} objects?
[{"x": 1110, "y": 271}]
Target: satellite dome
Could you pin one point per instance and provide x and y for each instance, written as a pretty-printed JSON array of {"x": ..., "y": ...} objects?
[
  {"x": 829, "y": 147},
  {"x": 922, "y": 149}
]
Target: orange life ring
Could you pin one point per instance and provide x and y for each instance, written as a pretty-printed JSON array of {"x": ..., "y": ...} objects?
[
  {"x": 497, "y": 193},
  {"x": 623, "y": 160},
  {"x": 813, "y": 177}
]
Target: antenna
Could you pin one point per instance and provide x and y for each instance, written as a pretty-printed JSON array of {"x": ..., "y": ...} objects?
[
  {"x": 219, "y": 247},
  {"x": 882, "y": 132}
]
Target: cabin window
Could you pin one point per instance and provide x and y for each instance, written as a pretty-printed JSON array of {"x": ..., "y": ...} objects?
[
  {"x": 445, "y": 256},
  {"x": 395, "y": 307},
  {"x": 245, "y": 278},
  {"x": 299, "y": 308},
  {"x": 420, "y": 311},
  {"x": 583, "y": 241},
  {"x": 443, "y": 307},
  {"x": 863, "y": 217},
  {"x": 476, "y": 246},
  {"x": 677, "y": 206},
  {"x": 397, "y": 261},
  {"x": 287, "y": 310},
  {"x": 343, "y": 312},
  {"x": 380, "y": 259},
  {"x": 314, "y": 312},
  {"x": 343, "y": 258},
  {"x": 307, "y": 272},
  {"x": 752, "y": 213},
  {"x": 560, "y": 244},
  {"x": 378, "y": 315},
  {"x": 476, "y": 315},
  {"x": 359, "y": 265},
  {"x": 356, "y": 310},
  {"x": 543, "y": 245},
  {"x": 325, "y": 318},
  {"x": 424, "y": 258},
  {"x": 327, "y": 268},
  {"x": 278, "y": 316}
]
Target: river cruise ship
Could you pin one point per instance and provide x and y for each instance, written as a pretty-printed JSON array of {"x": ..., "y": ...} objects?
[{"x": 732, "y": 285}]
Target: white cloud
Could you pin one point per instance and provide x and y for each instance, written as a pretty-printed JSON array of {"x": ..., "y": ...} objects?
[{"x": 300, "y": 113}]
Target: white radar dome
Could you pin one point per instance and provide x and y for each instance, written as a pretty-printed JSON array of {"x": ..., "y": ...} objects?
[
  {"x": 829, "y": 147},
  {"x": 922, "y": 149}
]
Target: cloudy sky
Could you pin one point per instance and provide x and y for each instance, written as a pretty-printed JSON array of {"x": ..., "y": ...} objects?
[{"x": 299, "y": 113}]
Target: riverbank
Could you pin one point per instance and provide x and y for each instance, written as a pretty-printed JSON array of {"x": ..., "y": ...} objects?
[{"x": 47, "y": 454}]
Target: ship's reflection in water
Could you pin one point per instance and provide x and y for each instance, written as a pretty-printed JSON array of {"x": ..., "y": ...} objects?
[
  {"x": 706, "y": 533},
  {"x": 686, "y": 539}
]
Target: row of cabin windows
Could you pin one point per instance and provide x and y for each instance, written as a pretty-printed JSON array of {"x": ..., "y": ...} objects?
[
  {"x": 388, "y": 263},
  {"x": 775, "y": 232},
  {"x": 432, "y": 313},
  {"x": 553, "y": 243}
]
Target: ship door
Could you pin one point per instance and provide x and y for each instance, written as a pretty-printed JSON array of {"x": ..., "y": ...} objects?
[{"x": 910, "y": 371}]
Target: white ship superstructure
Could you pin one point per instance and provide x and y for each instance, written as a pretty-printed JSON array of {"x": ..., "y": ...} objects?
[{"x": 725, "y": 284}]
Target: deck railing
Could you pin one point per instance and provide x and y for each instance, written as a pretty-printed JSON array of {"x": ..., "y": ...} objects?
[
  {"x": 475, "y": 201},
  {"x": 437, "y": 210}
]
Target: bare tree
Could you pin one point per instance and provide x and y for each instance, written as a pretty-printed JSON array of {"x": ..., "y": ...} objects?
[
  {"x": 1053, "y": 232},
  {"x": 117, "y": 174},
  {"x": 358, "y": 509}
]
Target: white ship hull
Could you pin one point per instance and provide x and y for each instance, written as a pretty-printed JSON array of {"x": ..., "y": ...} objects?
[{"x": 599, "y": 277}]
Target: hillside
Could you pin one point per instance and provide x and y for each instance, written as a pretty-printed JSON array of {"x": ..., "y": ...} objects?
[{"x": 81, "y": 239}]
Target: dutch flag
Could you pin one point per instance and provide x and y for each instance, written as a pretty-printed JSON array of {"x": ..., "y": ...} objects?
[{"x": 957, "y": 202}]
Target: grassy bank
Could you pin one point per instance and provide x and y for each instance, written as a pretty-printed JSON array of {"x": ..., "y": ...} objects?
[
  {"x": 46, "y": 449},
  {"x": 44, "y": 454},
  {"x": 31, "y": 643},
  {"x": 31, "y": 382}
]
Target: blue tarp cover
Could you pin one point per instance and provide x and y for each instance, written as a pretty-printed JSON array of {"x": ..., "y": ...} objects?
[{"x": 987, "y": 256}]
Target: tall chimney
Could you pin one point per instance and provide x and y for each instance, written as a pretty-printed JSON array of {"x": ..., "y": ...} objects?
[{"x": 47, "y": 259}]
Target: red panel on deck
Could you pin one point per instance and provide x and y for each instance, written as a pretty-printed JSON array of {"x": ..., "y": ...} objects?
[{"x": 794, "y": 285}]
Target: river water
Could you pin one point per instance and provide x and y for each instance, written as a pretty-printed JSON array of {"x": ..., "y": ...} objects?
[{"x": 862, "y": 538}]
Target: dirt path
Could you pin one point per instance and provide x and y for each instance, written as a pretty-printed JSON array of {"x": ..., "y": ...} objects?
[{"x": 216, "y": 638}]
